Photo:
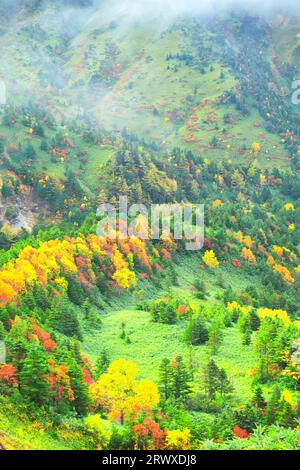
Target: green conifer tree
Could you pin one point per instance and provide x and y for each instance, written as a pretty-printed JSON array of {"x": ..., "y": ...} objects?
[
  {"x": 273, "y": 406},
  {"x": 180, "y": 379},
  {"x": 33, "y": 376},
  {"x": 165, "y": 376}
]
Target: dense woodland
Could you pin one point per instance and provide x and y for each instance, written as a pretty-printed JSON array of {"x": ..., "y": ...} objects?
[{"x": 135, "y": 344}]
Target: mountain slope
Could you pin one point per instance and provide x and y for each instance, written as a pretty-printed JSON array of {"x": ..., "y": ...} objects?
[{"x": 175, "y": 81}]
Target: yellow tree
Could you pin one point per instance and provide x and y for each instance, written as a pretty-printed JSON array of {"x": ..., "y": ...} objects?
[
  {"x": 248, "y": 241},
  {"x": 124, "y": 277},
  {"x": 217, "y": 203},
  {"x": 100, "y": 429},
  {"x": 247, "y": 255},
  {"x": 278, "y": 250},
  {"x": 255, "y": 148},
  {"x": 289, "y": 207},
  {"x": 120, "y": 393},
  {"x": 178, "y": 440},
  {"x": 210, "y": 259},
  {"x": 284, "y": 272}
]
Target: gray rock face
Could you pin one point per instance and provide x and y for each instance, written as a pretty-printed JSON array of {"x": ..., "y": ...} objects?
[{"x": 2, "y": 352}]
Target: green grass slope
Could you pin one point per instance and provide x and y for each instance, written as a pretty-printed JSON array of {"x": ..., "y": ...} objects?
[{"x": 151, "y": 342}]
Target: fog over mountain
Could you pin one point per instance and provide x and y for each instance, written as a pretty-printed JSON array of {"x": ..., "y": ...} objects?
[
  {"x": 41, "y": 41},
  {"x": 168, "y": 8}
]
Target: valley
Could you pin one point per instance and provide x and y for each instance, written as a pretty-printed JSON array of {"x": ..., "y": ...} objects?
[{"x": 138, "y": 343}]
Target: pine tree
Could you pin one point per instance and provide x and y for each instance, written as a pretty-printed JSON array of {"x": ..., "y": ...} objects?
[
  {"x": 214, "y": 338},
  {"x": 273, "y": 406},
  {"x": 76, "y": 350},
  {"x": 247, "y": 337},
  {"x": 80, "y": 389},
  {"x": 29, "y": 153},
  {"x": 33, "y": 376},
  {"x": 196, "y": 332},
  {"x": 44, "y": 145},
  {"x": 75, "y": 291},
  {"x": 180, "y": 379},
  {"x": 254, "y": 320},
  {"x": 246, "y": 417},
  {"x": 192, "y": 362},
  {"x": 165, "y": 375},
  {"x": 267, "y": 346},
  {"x": 210, "y": 380},
  {"x": 201, "y": 289},
  {"x": 4, "y": 318},
  {"x": 172, "y": 275},
  {"x": 101, "y": 364},
  {"x": 63, "y": 318},
  {"x": 224, "y": 387},
  {"x": 2, "y": 331},
  {"x": 258, "y": 400},
  {"x": 215, "y": 381},
  {"x": 285, "y": 414},
  {"x": 169, "y": 315},
  {"x": 92, "y": 316},
  {"x": 245, "y": 327},
  {"x": 123, "y": 330}
]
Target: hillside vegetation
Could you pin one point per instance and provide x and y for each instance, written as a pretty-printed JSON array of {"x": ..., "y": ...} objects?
[{"x": 140, "y": 344}]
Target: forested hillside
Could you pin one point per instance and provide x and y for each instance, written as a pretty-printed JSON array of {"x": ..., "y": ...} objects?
[{"x": 113, "y": 344}]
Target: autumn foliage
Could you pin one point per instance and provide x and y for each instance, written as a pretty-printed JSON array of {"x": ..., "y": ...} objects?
[
  {"x": 8, "y": 374},
  {"x": 241, "y": 433},
  {"x": 56, "y": 260},
  {"x": 120, "y": 393}
]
